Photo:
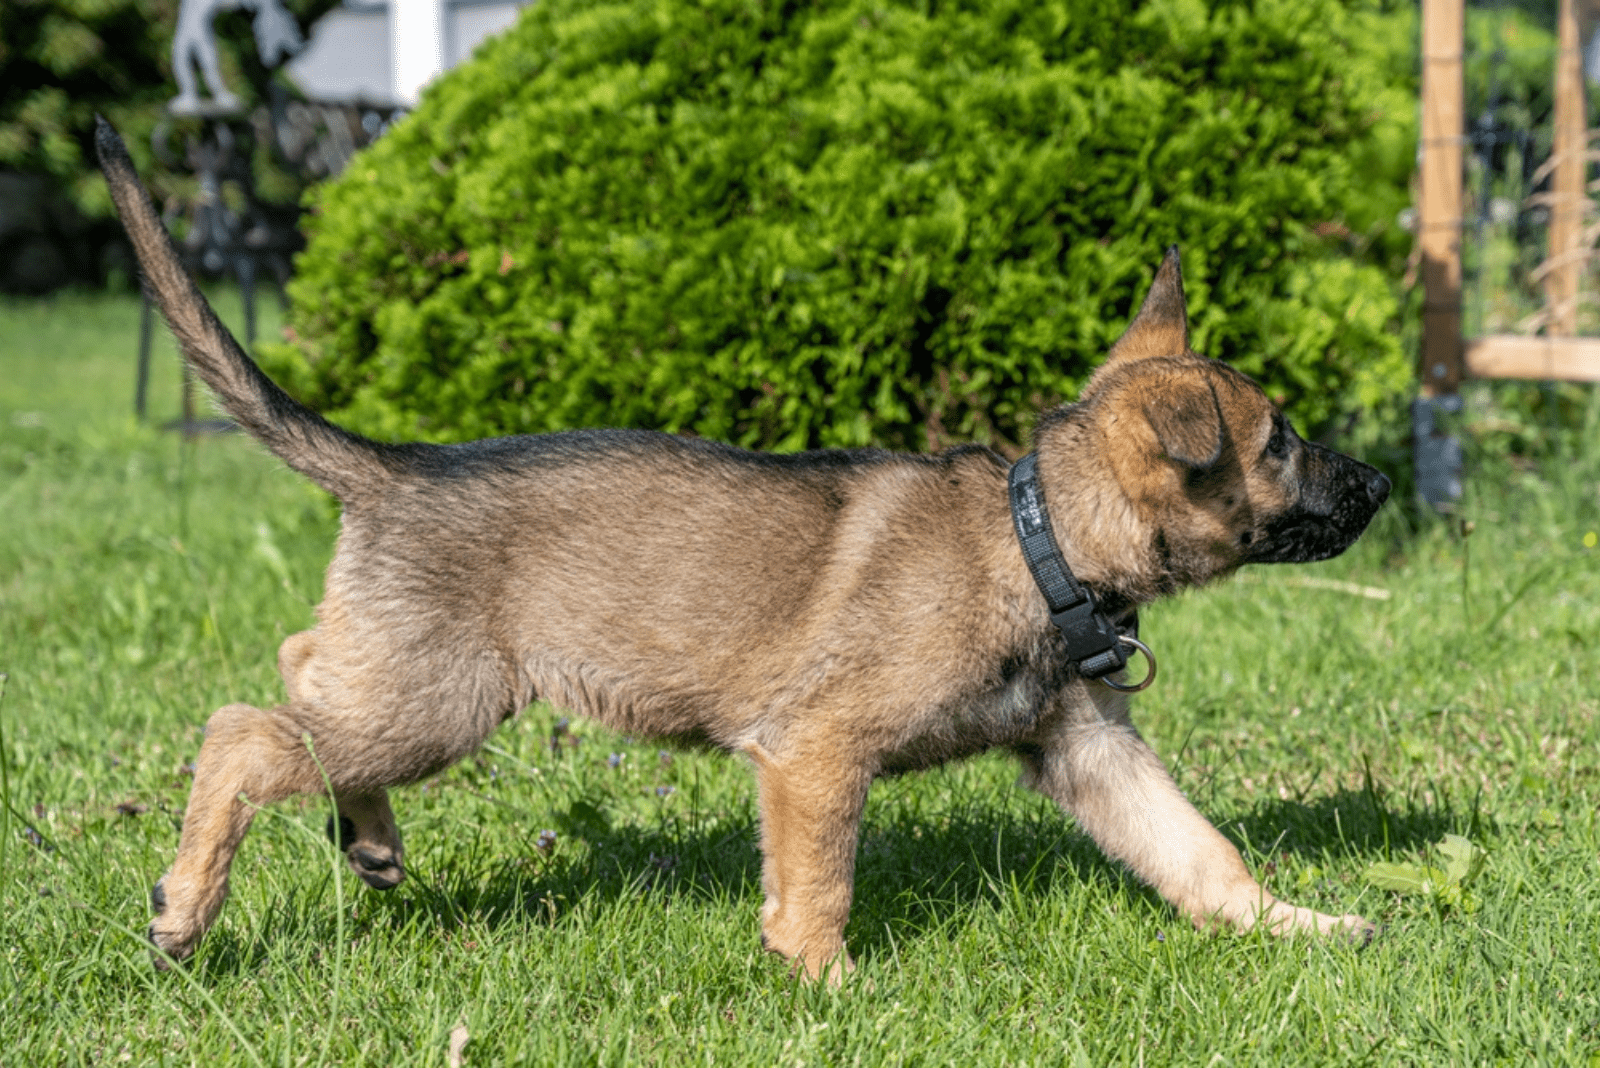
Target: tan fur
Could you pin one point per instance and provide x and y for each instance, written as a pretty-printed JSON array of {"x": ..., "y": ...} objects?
[{"x": 835, "y": 616}]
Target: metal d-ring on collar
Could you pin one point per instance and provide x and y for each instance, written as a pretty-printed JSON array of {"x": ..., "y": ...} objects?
[{"x": 1096, "y": 645}]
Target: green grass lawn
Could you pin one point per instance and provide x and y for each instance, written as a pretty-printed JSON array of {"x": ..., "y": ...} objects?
[{"x": 1328, "y": 718}]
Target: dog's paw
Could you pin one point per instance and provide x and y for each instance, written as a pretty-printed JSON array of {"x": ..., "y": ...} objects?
[
  {"x": 160, "y": 956},
  {"x": 1282, "y": 919},
  {"x": 377, "y": 863},
  {"x": 378, "y": 868},
  {"x": 168, "y": 945},
  {"x": 1357, "y": 930},
  {"x": 182, "y": 918}
]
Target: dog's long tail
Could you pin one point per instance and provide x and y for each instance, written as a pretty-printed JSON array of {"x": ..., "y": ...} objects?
[{"x": 344, "y": 464}]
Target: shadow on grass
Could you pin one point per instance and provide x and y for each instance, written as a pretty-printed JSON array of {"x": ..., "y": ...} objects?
[
  {"x": 915, "y": 870},
  {"x": 1355, "y": 823}
]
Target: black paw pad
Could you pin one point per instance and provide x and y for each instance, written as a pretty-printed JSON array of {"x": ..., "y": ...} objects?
[{"x": 380, "y": 873}]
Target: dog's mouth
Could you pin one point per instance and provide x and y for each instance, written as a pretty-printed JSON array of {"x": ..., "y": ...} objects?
[{"x": 1339, "y": 499}]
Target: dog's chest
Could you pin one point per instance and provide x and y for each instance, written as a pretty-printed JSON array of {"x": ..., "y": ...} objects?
[{"x": 1001, "y": 710}]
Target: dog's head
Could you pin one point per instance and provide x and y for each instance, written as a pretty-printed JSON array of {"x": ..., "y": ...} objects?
[{"x": 1211, "y": 473}]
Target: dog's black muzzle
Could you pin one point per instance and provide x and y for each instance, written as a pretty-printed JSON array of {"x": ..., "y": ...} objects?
[{"x": 1338, "y": 498}]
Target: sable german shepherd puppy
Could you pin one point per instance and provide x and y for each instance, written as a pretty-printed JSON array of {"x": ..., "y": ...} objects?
[{"x": 835, "y": 615}]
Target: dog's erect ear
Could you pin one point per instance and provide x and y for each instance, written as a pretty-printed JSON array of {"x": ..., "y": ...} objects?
[
  {"x": 1162, "y": 326},
  {"x": 1188, "y": 423}
]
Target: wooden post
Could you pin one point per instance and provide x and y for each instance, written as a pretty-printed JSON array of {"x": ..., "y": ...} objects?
[
  {"x": 1564, "y": 265},
  {"x": 1439, "y": 214}
]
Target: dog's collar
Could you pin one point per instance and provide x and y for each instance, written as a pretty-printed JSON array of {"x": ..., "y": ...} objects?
[{"x": 1096, "y": 645}]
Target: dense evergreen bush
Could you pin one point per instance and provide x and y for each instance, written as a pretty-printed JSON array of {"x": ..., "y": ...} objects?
[{"x": 849, "y": 221}]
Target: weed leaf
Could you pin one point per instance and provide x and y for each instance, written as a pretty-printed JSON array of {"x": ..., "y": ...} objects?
[
  {"x": 1463, "y": 860},
  {"x": 1405, "y": 878}
]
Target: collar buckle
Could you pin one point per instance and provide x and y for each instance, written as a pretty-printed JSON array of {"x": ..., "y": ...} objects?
[{"x": 1092, "y": 639}]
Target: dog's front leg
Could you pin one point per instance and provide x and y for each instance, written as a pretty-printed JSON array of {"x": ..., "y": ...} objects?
[
  {"x": 1091, "y": 760},
  {"x": 811, "y": 800}
]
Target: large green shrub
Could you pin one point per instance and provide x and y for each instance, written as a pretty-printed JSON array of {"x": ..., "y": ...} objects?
[{"x": 849, "y": 221}]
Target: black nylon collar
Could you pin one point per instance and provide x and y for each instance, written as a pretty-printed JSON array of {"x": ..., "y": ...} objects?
[{"x": 1094, "y": 642}]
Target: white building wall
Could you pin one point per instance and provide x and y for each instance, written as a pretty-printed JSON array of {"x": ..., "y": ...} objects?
[
  {"x": 383, "y": 52},
  {"x": 416, "y": 34}
]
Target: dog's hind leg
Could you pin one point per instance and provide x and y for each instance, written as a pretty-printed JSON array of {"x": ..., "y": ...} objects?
[
  {"x": 369, "y": 837},
  {"x": 365, "y": 831},
  {"x": 250, "y": 758},
  {"x": 1093, "y": 763},
  {"x": 810, "y": 818}
]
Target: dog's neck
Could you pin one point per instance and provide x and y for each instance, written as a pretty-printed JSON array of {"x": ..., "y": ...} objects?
[{"x": 1108, "y": 544}]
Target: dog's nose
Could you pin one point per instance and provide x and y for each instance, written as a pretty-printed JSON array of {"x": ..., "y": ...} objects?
[{"x": 1378, "y": 488}]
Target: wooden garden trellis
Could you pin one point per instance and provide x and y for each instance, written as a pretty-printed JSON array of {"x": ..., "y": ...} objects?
[{"x": 1447, "y": 358}]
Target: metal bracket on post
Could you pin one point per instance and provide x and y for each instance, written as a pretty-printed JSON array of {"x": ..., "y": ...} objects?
[{"x": 1436, "y": 452}]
